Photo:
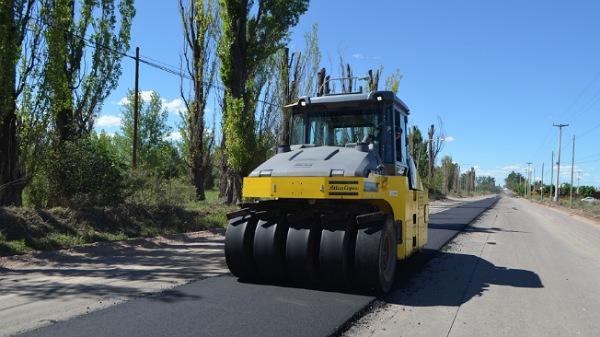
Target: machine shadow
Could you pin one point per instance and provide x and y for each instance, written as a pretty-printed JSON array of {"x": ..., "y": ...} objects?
[{"x": 451, "y": 279}]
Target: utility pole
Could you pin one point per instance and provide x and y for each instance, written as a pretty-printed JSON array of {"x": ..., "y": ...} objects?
[
  {"x": 457, "y": 179},
  {"x": 557, "y": 193},
  {"x": 578, "y": 178},
  {"x": 551, "y": 176},
  {"x": 542, "y": 186},
  {"x": 528, "y": 192},
  {"x": 521, "y": 182},
  {"x": 533, "y": 180},
  {"x": 572, "y": 171},
  {"x": 474, "y": 180},
  {"x": 136, "y": 114}
]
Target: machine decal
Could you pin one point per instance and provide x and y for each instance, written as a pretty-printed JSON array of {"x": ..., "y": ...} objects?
[{"x": 371, "y": 186}]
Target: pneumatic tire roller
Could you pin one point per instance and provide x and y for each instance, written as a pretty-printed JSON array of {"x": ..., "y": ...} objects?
[{"x": 340, "y": 206}]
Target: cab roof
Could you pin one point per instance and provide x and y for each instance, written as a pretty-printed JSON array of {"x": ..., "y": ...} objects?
[{"x": 350, "y": 99}]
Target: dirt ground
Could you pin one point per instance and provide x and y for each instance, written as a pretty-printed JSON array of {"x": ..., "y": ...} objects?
[{"x": 38, "y": 289}]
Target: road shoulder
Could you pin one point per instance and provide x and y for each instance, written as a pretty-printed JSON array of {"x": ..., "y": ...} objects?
[{"x": 429, "y": 302}]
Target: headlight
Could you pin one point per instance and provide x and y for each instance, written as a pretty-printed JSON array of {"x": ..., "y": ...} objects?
[
  {"x": 337, "y": 173},
  {"x": 265, "y": 173}
]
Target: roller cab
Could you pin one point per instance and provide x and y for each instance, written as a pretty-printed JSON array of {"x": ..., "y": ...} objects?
[{"x": 339, "y": 205}]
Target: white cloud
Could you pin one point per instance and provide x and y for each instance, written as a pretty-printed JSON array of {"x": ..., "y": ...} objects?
[
  {"x": 175, "y": 137},
  {"x": 449, "y": 139},
  {"x": 108, "y": 121},
  {"x": 175, "y": 106},
  {"x": 513, "y": 167},
  {"x": 361, "y": 56},
  {"x": 146, "y": 95}
]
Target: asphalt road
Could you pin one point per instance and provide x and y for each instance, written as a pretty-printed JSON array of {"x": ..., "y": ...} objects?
[
  {"x": 522, "y": 269},
  {"x": 445, "y": 225},
  {"x": 222, "y": 306}
]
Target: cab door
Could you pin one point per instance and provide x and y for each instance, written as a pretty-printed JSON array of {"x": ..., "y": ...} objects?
[{"x": 411, "y": 237}]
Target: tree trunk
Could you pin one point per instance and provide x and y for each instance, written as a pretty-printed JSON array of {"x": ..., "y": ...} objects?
[
  {"x": 11, "y": 175},
  {"x": 431, "y": 159},
  {"x": 284, "y": 136},
  {"x": 235, "y": 188},
  {"x": 223, "y": 171},
  {"x": 198, "y": 151},
  {"x": 198, "y": 174}
]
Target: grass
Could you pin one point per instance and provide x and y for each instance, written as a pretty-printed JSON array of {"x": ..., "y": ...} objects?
[
  {"x": 25, "y": 229},
  {"x": 590, "y": 210},
  {"x": 15, "y": 247}
]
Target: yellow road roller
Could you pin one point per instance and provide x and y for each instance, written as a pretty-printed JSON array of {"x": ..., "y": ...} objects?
[{"x": 340, "y": 205}]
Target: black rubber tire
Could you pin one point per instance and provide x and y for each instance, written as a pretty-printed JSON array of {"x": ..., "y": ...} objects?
[
  {"x": 375, "y": 257},
  {"x": 336, "y": 252},
  {"x": 269, "y": 249},
  {"x": 239, "y": 238},
  {"x": 301, "y": 253}
]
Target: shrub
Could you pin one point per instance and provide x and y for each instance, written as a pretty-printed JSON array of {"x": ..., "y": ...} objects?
[
  {"x": 153, "y": 190},
  {"x": 85, "y": 172}
]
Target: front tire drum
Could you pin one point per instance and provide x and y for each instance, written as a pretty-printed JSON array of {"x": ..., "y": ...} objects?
[
  {"x": 335, "y": 255},
  {"x": 239, "y": 238},
  {"x": 269, "y": 249},
  {"x": 302, "y": 251},
  {"x": 375, "y": 257}
]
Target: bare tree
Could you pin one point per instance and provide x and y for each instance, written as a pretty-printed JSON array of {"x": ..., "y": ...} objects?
[
  {"x": 200, "y": 28},
  {"x": 374, "y": 79},
  {"x": 435, "y": 145},
  {"x": 296, "y": 75},
  {"x": 347, "y": 76},
  {"x": 392, "y": 82}
]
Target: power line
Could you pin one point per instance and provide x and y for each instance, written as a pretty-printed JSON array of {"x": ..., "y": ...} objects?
[
  {"x": 145, "y": 60},
  {"x": 588, "y": 161},
  {"x": 595, "y": 98},
  {"x": 590, "y": 156},
  {"x": 585, "y": 133},
  {"x": 573, "y": 113},
  {"x": 580, "y": 95}
]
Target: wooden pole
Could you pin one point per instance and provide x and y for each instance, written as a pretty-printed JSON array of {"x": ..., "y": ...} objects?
[
  {"x": 572, "y": 172},
  {"x": 136, "y": 114}
]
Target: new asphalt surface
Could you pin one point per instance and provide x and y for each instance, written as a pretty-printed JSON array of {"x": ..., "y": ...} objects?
[{"x": 223, "y": 306}]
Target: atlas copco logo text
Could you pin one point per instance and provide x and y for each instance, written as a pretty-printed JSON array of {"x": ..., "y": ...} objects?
[{"x": 343, "y": 188}]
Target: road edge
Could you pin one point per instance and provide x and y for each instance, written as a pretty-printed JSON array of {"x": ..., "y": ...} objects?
[{"x": 418, "y": 262}]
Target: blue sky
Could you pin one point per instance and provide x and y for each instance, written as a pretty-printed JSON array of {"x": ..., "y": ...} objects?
[{"x": 498, "y": 73}]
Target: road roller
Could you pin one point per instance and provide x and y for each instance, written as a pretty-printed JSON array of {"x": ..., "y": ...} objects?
[{"x": 340, "y": 205}]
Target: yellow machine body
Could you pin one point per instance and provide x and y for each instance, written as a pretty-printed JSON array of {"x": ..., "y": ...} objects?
[{"x": 391, "y": 194}]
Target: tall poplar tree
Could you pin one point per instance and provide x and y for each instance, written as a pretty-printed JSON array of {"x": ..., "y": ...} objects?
[
  {"x": 85, "y": 49},
  {"x": 200, "y": 29},
  {"x": 15, "y": 16},
  {"x": 252, "y": 31}
]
